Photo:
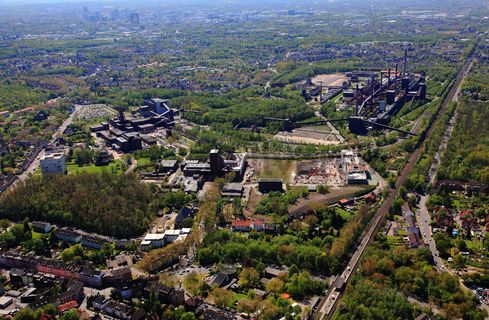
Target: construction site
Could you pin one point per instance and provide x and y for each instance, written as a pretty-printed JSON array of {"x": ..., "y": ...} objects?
[{"x": 346, "y": 169}]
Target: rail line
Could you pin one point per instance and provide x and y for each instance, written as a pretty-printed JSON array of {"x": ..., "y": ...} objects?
[{"x": 325, "y": 309}]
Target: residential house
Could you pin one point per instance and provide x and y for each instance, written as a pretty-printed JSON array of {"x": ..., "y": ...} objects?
[
  {"x": 468, "y": 221},
  {"x": 275, "y": 272},
  {"x": 122, "y": 273},
  {"x": 166, "y": 294},
  {"x": 68, "y": 235},
  {"x": 93, "y": 242},
  {"x": 270, "y": 228},
  {"x": 241, "y": 225},
  {"x": 412, "y": 240},
  {"x": 99, "y": 302},
  {"x": 346, "y": 202},
  {"x": 258, "y": 225},
  {"x": 371, "y": 198},
  {"x": 74, "y": 292},
  {"x": 67, "y": 306},
  {"x": 41, "y": 227},
  {"x": 223, "y": 278},
  {"x": 118, "y": 310}
]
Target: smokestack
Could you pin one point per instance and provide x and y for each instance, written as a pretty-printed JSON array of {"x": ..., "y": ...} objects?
[
  {"x": 372, "y": 95},
  {"x": 381, "y": 78},
  {"x": 396, "y": 72},
  {"x": 321, "y": 91},
  {"x": 372, "y": 88},
  {"x": 389, "y": 80},
  {"x": 405, "y": 61},
  {"x": 356, "y": 101}
]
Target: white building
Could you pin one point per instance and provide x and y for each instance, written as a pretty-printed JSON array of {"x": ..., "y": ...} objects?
[
  {"x": 158, "y": 240},
  {"x": 153, "y": 240},
  {"x": 53, "y": 163}
]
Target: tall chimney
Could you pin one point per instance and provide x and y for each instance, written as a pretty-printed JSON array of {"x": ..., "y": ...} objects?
[
  {"x": 405, "y": 61},
  {"x": 372, "y": 88},
  {"x": 372, "y": 94},
  {"x": 396, "y": 72},
  {"x": 389, "y": 80},
  {"x": 356, "y": 101}
]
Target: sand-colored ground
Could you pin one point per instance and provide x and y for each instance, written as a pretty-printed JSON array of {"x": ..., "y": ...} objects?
[
  {"x": 305, "y": 136},
  {"x": 330, "y": 80}
]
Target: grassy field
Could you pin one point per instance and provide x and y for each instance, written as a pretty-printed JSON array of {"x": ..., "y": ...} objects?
[
  {"x": 395, "y": 241},
  {"x": 473, "y": 244},
  {"x": 143, "y": 162},
  {"x": 36, "y": 235},
  {"x": 114, "y": 167}
]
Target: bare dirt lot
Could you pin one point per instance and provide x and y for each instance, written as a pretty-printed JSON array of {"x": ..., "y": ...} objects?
[
  {"x": 308, "y": 135},
  {"x": 330, "y": 80}
]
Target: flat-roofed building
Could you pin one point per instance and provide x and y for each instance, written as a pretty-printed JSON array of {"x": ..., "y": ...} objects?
[
  {"x": 168, "y": 165},
  {"x": 53, "y": 163},
  {"x": 269, "y": 185},
  {"x": 5, "y": 302},
  {"x": 233, "y": 189}
]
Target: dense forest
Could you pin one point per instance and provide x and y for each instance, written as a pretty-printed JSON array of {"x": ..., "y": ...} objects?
[
  {"x": 321, "y": 244},
  {"x": 388, "y": 275},
  {"x": 118, "y": 206},
  {"x": 467, "y": 155}
]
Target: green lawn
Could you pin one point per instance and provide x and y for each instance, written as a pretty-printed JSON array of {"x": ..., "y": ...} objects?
[
  {"x": 143, "y": 162},
  {"x": 395, "y": 241},
  {"x": 402, "y": 232},
  {"x": 72, "y": 168},
  {"x": 239, "y": 296},
  {"x": 473, "y": 244},
  {"x": 36, "y": 235},
  {"x": 113, "y": 167}
]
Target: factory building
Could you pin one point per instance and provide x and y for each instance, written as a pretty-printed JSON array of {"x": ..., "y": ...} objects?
[
  {"x": 269, "y": 185},
  {"x": 218, "y": 165},
  {"x": 127, "y": 135}
]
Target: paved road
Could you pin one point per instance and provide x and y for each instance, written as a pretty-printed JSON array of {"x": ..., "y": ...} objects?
[
  {"x": 132, "y": 166},
  {"x": 335, "y": 131},
  {"x": 423, "y": 218},
  {"x": 327, "y": 306}
]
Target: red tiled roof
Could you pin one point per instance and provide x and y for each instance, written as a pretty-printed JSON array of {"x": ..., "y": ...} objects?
[
  {"x": 67, "y": 306},
  {"x": 258, "y": 222},
  {"x": 371, "y": 196},
  {"x": 241, "y": 223},
  {"x": 45, "y": 316}
]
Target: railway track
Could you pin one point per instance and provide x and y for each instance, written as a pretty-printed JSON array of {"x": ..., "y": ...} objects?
[{"x": 325, "y": 309}]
